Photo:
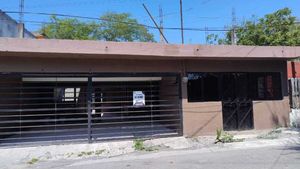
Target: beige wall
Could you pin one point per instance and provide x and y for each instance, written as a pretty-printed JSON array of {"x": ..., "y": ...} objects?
[
  {"x": 205, "y": 117},
  {"x": 198, "y": 118},
  {"x": 269, "y": 114},
  {"x": 86, "y": 65}
]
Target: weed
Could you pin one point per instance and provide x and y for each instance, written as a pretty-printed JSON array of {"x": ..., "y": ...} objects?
[
  {"x": 138, "y": 145},
  {"x": 84, "y": 153},
  {"x": 33, "y": 161},
  {"x": 80, "y": 154},
  {"x": 88, "y": 153},
  {"x": 151, "y": 148},
  {"x": 225, "y": 137},
  {"x": 219, "y": 135},
  {"x": 98, "y": 152},
  {"x": 274, "y": 134},
  {"x": 69, "y": 154},
  {"x": 238, "y": 140}
]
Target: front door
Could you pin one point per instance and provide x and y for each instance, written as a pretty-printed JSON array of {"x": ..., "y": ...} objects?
[{"x": 237, "y": 106}]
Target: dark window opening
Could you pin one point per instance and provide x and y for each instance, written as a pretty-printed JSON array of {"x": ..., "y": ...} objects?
[
  {"x": 265, "y": 86},
  {"x": 203, "y": 87},
  {"x": 220, "y": 86}
]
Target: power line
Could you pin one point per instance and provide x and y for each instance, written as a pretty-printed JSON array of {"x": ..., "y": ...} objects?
[
  {"x": 211, "y": 29},
  {"x": 205, "y": 2},
  {"x": 77, "y": 16},
  {"x": 68, "y": 4},
  {"x": 174, "y": 13},
  {"x": 107, "y": 20}
]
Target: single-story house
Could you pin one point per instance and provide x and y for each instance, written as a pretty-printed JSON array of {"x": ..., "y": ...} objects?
[
  {"x": 69, "y": 90},
  {"x": 11, "y": 28}
]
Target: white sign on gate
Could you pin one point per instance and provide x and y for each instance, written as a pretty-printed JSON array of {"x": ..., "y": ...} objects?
[{"x": 138, "y": 99}]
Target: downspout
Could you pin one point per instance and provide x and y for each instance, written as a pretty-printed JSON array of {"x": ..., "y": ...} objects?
[{"x": 293, "y": 69}]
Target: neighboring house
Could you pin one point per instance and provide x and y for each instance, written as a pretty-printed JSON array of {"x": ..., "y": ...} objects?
[
  {"x": 293, "y": 69},
  {"x": 9, "y": 27},
  {"x": 294, "y": 91},
  {"x": 67, "y": 90}
]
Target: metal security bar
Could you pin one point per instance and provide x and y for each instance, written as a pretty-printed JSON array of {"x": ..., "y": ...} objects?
[
  {"x": 115, "y": 116},
  {"x": 38, "y": 108}
]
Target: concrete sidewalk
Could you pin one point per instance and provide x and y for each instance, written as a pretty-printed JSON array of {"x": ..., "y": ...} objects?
[{"x": 74, "y": 153}]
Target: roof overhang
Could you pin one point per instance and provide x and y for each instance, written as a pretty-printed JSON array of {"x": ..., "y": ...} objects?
[{"x": 46, "y": 48}]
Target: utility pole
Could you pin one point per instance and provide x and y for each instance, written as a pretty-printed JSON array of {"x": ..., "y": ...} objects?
[
  {"x": 21, "y": 19},
  {"x": 233, "y": 27},
  {"x": 161, "y": 33},
  {"x": 181, "y": 21},
  {"x": 206, "y": 35},
  {"x": 161, "y": 23},
  {"x": 21, "y": 10}
]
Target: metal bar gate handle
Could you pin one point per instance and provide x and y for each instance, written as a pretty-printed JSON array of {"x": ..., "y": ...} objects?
[{"x": 89, "y": 108}]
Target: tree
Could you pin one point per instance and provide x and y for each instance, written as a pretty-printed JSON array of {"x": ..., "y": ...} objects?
[
  {"x": 212, "y": 38},
  {"x": 69, "y": 29},
  {"x": 120, "y": 27},
  {"x": 111, "y": 27},
  {"x": 276, "y": 29}
]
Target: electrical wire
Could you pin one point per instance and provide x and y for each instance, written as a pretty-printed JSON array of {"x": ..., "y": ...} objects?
[
  {"x": 107, "y": 20},
  {"x": 205, "y": 29},
  {"x": 77, "y": 16}
]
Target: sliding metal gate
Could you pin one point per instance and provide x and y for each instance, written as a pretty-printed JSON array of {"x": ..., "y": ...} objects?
[{"x": 39, "y": 108}]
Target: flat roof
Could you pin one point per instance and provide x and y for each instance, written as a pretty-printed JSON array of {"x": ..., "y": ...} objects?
[{"x": 45, "y": 48}]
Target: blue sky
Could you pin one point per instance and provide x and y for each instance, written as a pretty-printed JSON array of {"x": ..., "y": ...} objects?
[{"x": 197, "y": 13}]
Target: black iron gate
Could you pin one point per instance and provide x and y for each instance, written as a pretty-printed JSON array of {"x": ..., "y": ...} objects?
[
  {"x": 237, "y": 106},
  {"x": 237, "y": 114},
  {"x": 68, "y": 107}
]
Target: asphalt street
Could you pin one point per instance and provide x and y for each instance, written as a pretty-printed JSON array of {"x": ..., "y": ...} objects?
[{"x": 279, "y": 157}]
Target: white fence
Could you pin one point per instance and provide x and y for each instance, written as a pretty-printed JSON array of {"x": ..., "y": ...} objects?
[{"x": 294, "y": 93}]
